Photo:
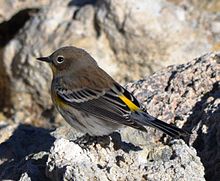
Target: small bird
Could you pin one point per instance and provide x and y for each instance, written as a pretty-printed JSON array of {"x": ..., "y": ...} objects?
[{"x": 91, "y": 101}]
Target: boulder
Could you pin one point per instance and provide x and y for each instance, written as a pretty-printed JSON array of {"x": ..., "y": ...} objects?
[
  {"x": 186, "y": 95},
  {"x": 129, "y": 39}
]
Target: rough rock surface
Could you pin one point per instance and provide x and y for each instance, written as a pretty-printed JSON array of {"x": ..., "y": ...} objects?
[
  {"x": 127, "y": 39},
  {"x": 174, "y": 162},
  {"x": 32, "y": 153},
  {"x": 189, "y": 96},
  {"x": 23, "y": 156},
  {"x": 186, "y": 95},
  {"x": 10, "y": 7}
]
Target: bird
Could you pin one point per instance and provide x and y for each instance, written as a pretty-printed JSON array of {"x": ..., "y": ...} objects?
[{"x": 92, "y": 102}]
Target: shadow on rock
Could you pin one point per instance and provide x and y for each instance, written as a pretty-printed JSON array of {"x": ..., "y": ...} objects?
[
  {"x": 205, "y": 117},
  {"x": 85, "y": 141},
  {"x": 119, "y": 144},
  {"x": 81, "y": 3},
  {"x": 8, "y": 29},
  {"x": 25, "y": 141}
]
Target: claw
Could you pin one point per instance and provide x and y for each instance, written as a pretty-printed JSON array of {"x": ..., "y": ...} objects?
[{"x": 86, "y": 140}]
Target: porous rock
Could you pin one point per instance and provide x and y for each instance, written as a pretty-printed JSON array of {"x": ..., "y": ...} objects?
[
  {"x": 189, "y": 96},
  {"x": 11, "y": 7},
  {"x": 177, "y": 161},
  {"x": 186, "y": 95},
  {"x": 127, "y": 39}
]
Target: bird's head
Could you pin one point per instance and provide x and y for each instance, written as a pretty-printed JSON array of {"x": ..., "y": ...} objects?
[{"x": 68, "y": 59}]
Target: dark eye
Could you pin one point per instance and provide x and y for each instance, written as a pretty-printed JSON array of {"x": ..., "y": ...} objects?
[{"x": 60, "y": 59}]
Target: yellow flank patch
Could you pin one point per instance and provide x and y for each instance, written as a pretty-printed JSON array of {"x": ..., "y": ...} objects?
[
  {"x": 59, "y": 102},
  {"x": 129, "y": 103}
]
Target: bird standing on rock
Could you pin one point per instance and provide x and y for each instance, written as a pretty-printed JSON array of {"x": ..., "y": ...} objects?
[{"x": 91, "y": 101}]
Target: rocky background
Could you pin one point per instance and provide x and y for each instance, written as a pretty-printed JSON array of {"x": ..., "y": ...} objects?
[{"x": 130, "y": 39}]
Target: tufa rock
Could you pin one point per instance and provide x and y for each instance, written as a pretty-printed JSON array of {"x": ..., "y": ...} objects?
[
  {"x": 127, "y": 39},
  {"x": 186, "y": 95},
  {"x": 174, "y": 162}
]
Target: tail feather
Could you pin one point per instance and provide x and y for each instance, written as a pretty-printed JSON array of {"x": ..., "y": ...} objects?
[{"x": 171, "y": 130}]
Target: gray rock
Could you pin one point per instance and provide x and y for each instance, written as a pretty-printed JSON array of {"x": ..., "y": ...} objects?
[
  {"x": 11, "y": 7},
  {"x": 189, "y": 96},
  {"x": 146, "y": 35},
  {"x": 23, "y": 155},
  {"x": 127, "y": 39},
  {"x": 186, "y": 95},
  {"x": 177, "y": 161}
]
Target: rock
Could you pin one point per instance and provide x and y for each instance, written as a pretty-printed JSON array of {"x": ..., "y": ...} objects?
[
  {"x": 172, "y": 93},
  {"x": 175, "y": 162},
  {"x": 23, "y": 156},
  {"x": 141, "y": 43},
  {"x": 66, "y": 160},
  {"x": 189, "y": 96},
  {"x": 203, "y": 5},
  {"x": 186, "y": 95},
  {"x": 28, "y": 157},
  {"x": 11, "y": 7},
  {"x": 127, "y": 39},
  {"x": 6, "y": 130}
]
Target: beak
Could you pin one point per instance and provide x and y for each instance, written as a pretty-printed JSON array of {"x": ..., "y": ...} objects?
[{"x": 44, "y": 59}]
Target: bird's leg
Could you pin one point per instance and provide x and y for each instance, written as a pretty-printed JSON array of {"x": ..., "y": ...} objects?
[
  {"x": 84, "y": 140},
  {"x": 87, "y": 140},
  {"x": 104, "y": 141}
]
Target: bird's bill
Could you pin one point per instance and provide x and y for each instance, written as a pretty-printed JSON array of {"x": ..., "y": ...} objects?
[{"x": 44, "y": 59}]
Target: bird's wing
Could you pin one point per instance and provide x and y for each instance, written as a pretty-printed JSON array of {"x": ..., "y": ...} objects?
[
  {"x": 113, "y": 104},
  {"x": 116, "y": 104}
]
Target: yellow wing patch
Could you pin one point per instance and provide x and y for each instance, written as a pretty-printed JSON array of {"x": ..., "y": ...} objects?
[{"x": 129, "y": 103}]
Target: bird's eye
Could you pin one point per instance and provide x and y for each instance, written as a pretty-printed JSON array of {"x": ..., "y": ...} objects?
[{"x": 60, "y": 59}]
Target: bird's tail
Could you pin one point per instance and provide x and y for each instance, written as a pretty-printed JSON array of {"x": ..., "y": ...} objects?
[{"x": 143, "y": 118}]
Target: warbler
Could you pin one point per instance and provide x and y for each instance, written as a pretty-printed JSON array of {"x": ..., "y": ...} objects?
[{"x": 91, "y": 101}]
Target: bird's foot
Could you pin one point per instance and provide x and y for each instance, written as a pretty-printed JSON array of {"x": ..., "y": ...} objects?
[
  {"x": 86, "y": 140},
  {"x": 103, "y": 141}
]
